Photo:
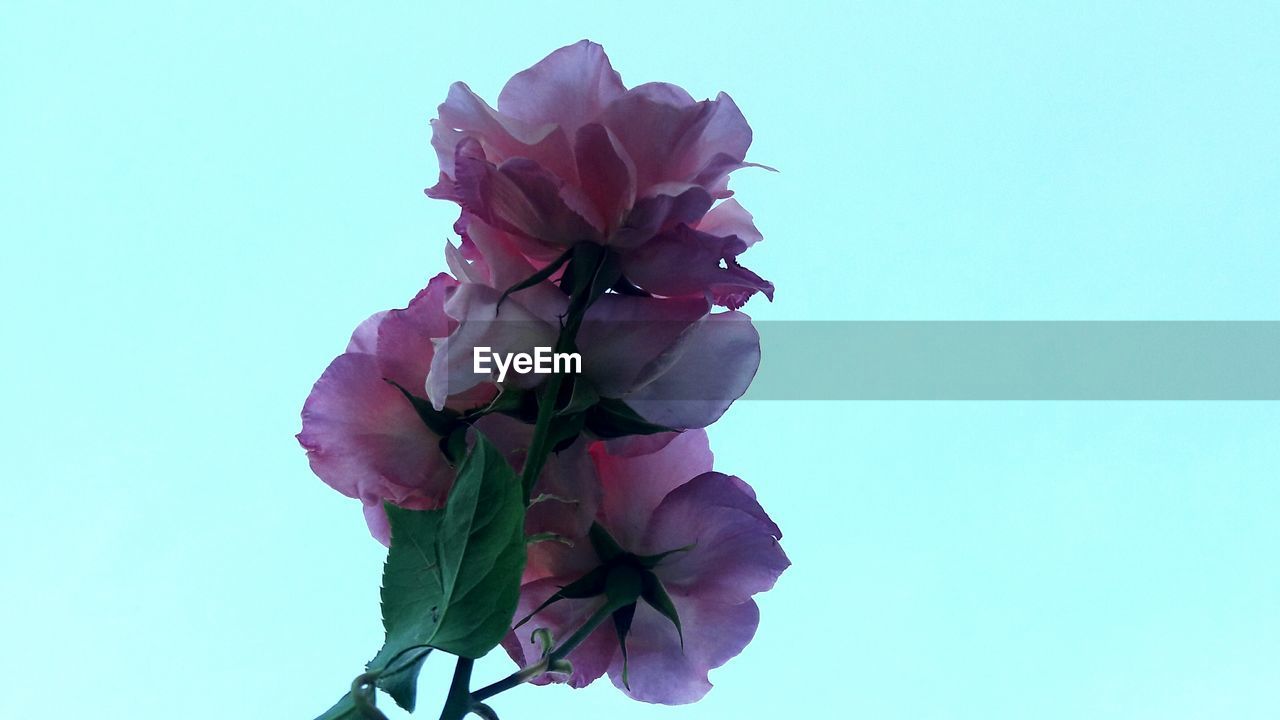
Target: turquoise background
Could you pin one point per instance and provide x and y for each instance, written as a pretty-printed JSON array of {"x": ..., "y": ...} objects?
[{"x": 198, "y": 202}]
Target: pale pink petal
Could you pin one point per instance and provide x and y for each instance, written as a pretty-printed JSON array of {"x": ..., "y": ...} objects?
[
  {"x": 521, "y": 197},
  {"x": 364, "y": 439},
  {"x": 513, "y": 328},
  {"x": 623, "y": 335},
  {"x": 569, "y": 87},
  {"x": 590, "y": 659},
  {"x": 404, "y": 346},
  {"x": 735, "y": 552},
  {"x": 465, "y": 115},
  {"x": 700, "y": 376},
  {"x": 730, "y": 219},
  {"x": 375, "y": 516},
  {"x": 686, "y": 261},
  {"x": 607, "y": 174},
  {"x": 660, "y": 670},
  {"x": 634, "y": 485}
]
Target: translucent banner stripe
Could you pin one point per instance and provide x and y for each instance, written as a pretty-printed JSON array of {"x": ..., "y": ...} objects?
[{"x": 1030, "y": 360}]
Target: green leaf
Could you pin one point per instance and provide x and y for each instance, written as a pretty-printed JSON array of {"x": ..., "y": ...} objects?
[
  {"x": 452, "y": 576},
  {"x": 440, "y": 422},
  {"x": 344, "y": 709},
  {"x": 622, "y": 618},
  {"x": 400, "y": 678},
  {"x": 656, "y": 595},
  {"x": 537, "y": 277}
]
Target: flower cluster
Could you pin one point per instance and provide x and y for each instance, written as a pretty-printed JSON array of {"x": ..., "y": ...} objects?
[{"x": 594, "y": 219}]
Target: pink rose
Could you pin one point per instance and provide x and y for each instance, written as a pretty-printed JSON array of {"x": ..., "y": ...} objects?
[
  {"x": 572, "y": 155},
  {"x": 670, "y": 359},
  {"x": 725, "y": 551},
  {"x": 365, "y": 438}
]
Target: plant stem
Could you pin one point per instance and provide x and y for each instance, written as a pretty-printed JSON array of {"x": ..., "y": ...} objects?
[
  {"x": 522, "y": 676},
  {"x": 458, "y": 702},
  {"x": 540, "y": 445}
]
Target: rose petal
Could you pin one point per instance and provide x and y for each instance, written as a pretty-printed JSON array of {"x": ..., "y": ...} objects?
[
  {"x": 686, "y": 261},
  {"x": 700, "y": 376},
  {"x": 590, "y": 659},
  {"x": 365, "y": 440},
  {"x": 569, "y": 87},
  {"x": 735, "y": 552},
  {"x": 634, "y": 485},
  {"x": 661, "y": 670}
]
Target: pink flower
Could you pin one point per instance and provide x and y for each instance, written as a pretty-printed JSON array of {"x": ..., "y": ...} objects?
[
  {"x": 725, "y": 551},
  {"x": 571, "y": 155},
  {"x": 670, "y": 359},
  {"x": 365, "y": 438}
]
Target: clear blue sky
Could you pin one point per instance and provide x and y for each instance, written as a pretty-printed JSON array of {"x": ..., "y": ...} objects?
[{"x": 198, "y": 202}]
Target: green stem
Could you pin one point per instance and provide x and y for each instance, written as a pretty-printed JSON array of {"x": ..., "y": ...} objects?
[
  {"x": 522, "y": 676},
  {"x": 458, "y": 702},
  {"x": 461, "y": 700},
  {"x": 540, "y": 445}
]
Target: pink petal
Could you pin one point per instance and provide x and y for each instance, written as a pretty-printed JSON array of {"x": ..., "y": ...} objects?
[
  {"x": 660, "y": 670},
  {"x": 521, "y": 197},
  {"x": 607, "y": 174},
  {"x": 699, "y": 377},
  {"x": 667, "y": 206},
  {"x": 686, "y": 262},
  {"x": 672, "y": 138},
  {"x": 730, "y": 219},
  {"x": 735, "y": 551},
  {"x": 569, "y": 87},
  {"x": 364, "y": 439},
  {"x": 404, "y": 346},
  {"x": 624, "y": 335},
  {"x": 590, "y": 659},
  {"x": 511, "y": 329},
  {"x": 634, "y": 485},
  {"x": 465, "y": 115}
]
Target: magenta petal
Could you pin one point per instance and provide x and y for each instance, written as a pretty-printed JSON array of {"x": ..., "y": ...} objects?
[
  {"x": 730, "y": 219},
  {"x": 375, "y": 516},
  {"x": 702, "y": 375},
  {"x": 671, "y": 138},
  {"x": 660, "y": 670},
  {"x": 520, "y": 197},
  {"x": 365, "y": 440},
  {"x": 569, "y": 87},
  {"x": 464, "y": 115},
  {"x": 634, "y": 485},
  {"x": 590, "y": 659},
  {"x": 404, "y": 345},
  {"x": 624, "y": 335},
  {"x": 686, "y": 261},
  {"x": 513, "y": 329},
  {"x": 668, "y": 206},
  {"x": 607, "y": 174},
  {"x": 735, "y": 552}
]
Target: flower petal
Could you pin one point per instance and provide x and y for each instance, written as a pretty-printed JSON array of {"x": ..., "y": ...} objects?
[
  {"x": 607, "y": 174},
  {"x": 521, "y": 197},
  {"x": 735, "y": 552},
  {"x": 622, "y": 335},
  {"x": 513, "y": 328},
  {"x": 365, "y": 440},
  {"x": 686, "y": 261},
  {"x": 661, "y": 670},
  {"x": 634, "y": 485},
  {"x": 569, "y": 87},
  {"x": 700, "y": 376},
  {"x": 590, "y": 659}
]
